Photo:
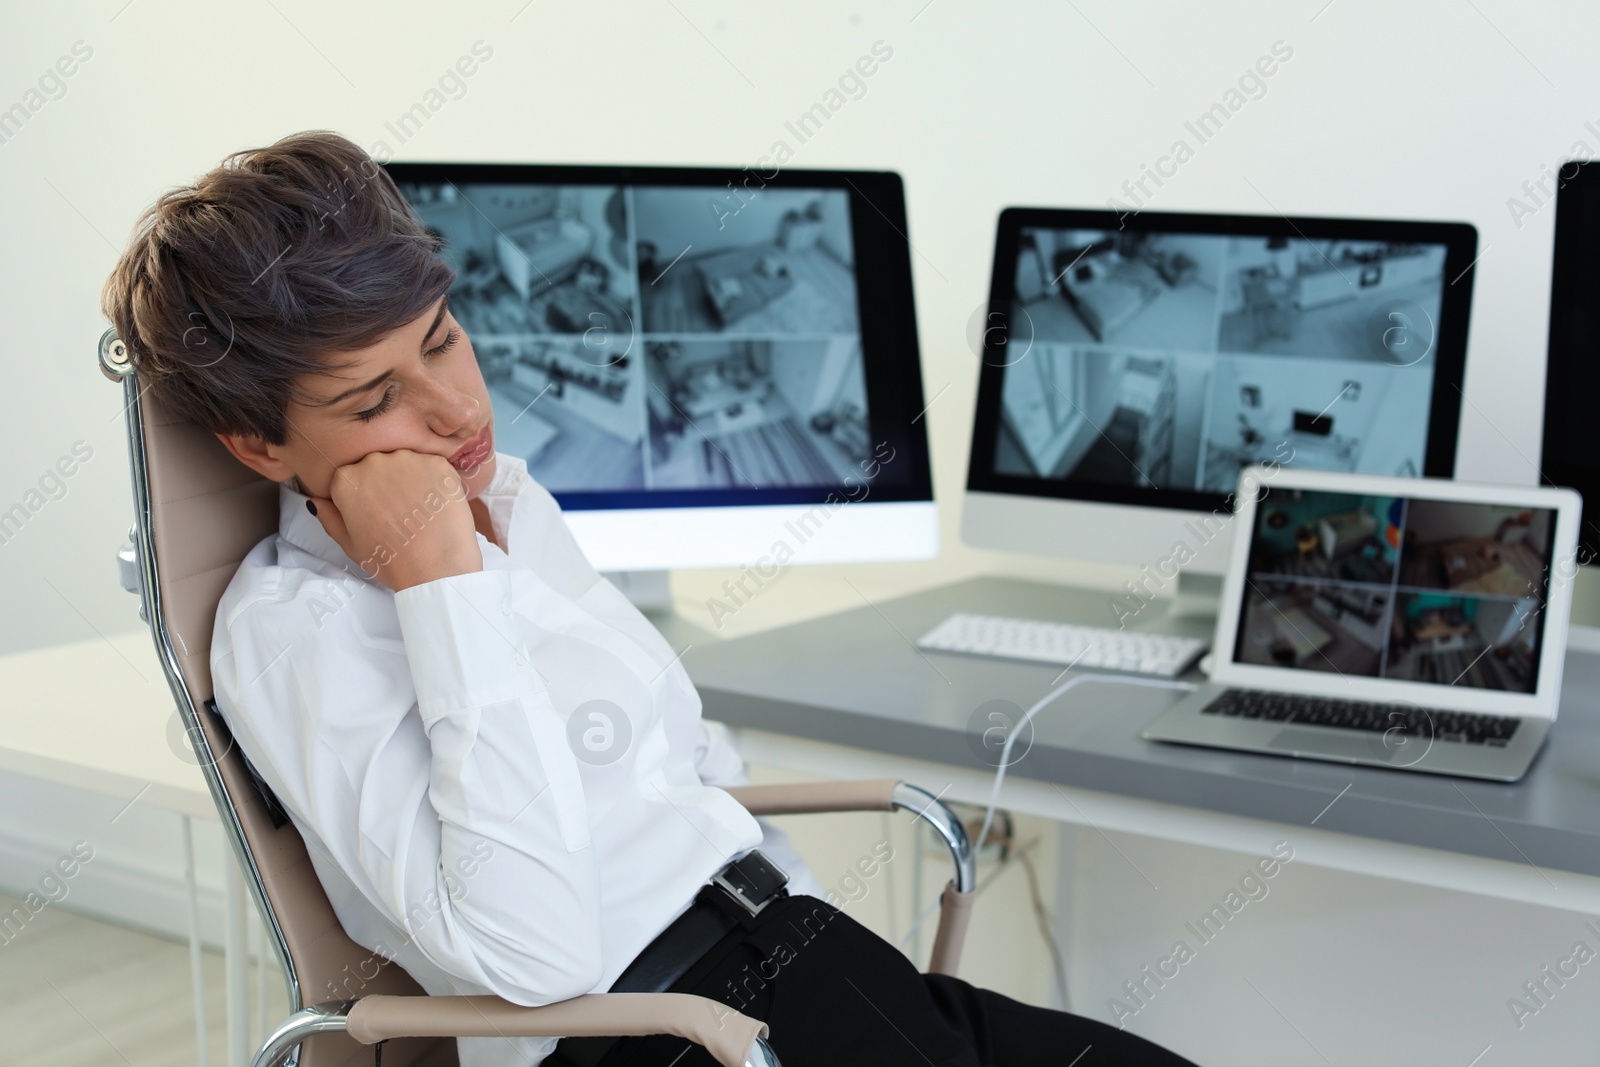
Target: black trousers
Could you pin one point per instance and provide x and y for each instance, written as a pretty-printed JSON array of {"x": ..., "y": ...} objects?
[{"x": 834, "y": 994}]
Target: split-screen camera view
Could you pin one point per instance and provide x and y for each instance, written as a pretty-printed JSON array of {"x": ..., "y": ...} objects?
[
  {"x": 1390, "y": 587},
  {"x": 1172, "y": 361},
  {"x": 642, "y": 338}
]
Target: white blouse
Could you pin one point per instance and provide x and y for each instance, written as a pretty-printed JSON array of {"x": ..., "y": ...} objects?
[{"x": 502, "y": 777}]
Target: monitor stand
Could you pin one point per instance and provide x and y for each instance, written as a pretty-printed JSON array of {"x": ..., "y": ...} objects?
[
  {"x": 649, "y": 590},
  {"x": 1199, "y": 597},
  {"x": 1190, "y": 611},
  {"x": 651, "y": 593}
]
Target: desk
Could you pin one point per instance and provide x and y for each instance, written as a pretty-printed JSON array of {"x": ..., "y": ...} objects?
[
  {"x": 78, "y": 716},
  {"x": 1332, "y": 968},
  {"x": 868, "y": 700}
]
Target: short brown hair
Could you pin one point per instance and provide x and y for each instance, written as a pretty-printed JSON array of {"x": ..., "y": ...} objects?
[{"x": 235, "y": 288}]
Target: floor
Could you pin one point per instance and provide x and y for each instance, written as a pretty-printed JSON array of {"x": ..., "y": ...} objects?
[
  {"x": 1518, "y": 574},
  {"x": 77, "y": 992},
  {"x": 1328, "y": 646},
  {"x": 822, "y": 300},
  {"x": 1362, "y": 562},
  {"x": 1222, "y": 465},
  {"x": 124, "y": 997},
  {"x": 1467, "y": 666},
  {"x": 777, "y": 453},
  {"x": 1336, "y": 453},
  {"x": 1009, "y": 457},
  {"x": 579, "y": 455},
  {"x": 1333, "y": 331},
  {"x": 499, "y": 309},
  {"x": 1110, "y": 459},
  {"x": 1182, "y": 318}
]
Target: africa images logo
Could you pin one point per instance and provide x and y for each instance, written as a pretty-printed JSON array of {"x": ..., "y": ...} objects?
[{"x": 599, "y": 732}]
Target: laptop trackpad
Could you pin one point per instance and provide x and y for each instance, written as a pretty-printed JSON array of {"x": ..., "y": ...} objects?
[{"x": 1329, "y": 743}]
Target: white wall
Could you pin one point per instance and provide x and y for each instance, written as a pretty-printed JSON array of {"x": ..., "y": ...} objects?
[
  {"x": 1429, "y": 109},
  {"x": 978, "y": 108}
]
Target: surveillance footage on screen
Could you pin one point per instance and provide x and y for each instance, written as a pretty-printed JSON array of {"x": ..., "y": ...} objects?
[
  {"x": 1173, "y": 360},
  {"x": 1433, "y": 591},
  {"x": 645, "y": 338}
]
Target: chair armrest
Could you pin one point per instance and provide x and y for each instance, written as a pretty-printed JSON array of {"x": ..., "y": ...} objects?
[
  {"x": 806, "y": 798},
  {"x": 868, "y": 794},
  {"x": 888, "y": 794},
  {"x": 735, "y": 1040},
  {"x": 955, "y": 912}
]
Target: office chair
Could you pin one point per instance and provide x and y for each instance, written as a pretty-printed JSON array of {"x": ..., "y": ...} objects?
[{"x": 198, "y": 512}]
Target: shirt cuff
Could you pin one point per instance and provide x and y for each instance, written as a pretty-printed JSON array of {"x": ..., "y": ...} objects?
[
  {"x": 462, "y": 642},
  {"x": 717, "y": 761}
]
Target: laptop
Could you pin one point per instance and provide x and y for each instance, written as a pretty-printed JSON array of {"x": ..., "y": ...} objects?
[{"x": 1412, "y": 623}]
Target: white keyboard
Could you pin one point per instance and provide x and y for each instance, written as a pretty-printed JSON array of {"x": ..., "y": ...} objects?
[{"x": 1084, "y": 647}]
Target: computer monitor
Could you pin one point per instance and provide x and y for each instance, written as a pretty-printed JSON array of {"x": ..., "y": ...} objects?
[
  {"x": 705, "y": 367},
  {"x": 1572, "y": 379},
  {"x": 1133, "y": 363}
]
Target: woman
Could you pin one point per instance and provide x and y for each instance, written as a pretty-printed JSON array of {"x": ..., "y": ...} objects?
[{"x": 499, "y": 767}]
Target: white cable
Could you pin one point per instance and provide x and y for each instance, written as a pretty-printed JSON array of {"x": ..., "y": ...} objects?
[
  {"x": 1027, "y": 717},
  {"x": 1005, "y": 757}
]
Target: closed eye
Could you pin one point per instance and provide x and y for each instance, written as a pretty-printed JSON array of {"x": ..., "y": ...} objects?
[
  {"x": 388, "y": 394},
  {"x": 449, "y": 341}
]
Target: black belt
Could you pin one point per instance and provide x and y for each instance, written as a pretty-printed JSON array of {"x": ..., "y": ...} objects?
[{"x": 733, "y": 897}]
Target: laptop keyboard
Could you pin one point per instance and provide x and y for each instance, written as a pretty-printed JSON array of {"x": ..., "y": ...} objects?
[{"x": 1463, "y": 726}]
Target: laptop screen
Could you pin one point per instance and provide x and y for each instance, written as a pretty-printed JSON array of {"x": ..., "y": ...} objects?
[{"x": 1434, "y": 591}]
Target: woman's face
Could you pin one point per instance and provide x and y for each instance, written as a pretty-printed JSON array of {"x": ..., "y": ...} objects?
[{"x": 418, "y": 388}]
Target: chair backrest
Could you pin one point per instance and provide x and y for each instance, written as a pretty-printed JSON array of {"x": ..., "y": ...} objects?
[{"x": 206, "y": 510}]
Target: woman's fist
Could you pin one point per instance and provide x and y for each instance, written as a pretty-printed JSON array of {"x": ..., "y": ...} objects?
[{"x": 403, "y": 516}]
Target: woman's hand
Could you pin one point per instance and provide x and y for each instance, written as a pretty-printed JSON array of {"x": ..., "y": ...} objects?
[{"x": 403, "y": 516}]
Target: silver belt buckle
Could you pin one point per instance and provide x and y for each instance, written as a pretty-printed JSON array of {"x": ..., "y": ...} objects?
[{"x": 752, "y": 880}]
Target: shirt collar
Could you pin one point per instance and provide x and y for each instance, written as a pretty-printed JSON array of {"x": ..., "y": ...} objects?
[{"x": 305, "y": 531}]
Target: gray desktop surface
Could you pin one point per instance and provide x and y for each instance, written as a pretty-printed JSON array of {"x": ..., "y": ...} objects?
[{"x": 855, "y": 678}]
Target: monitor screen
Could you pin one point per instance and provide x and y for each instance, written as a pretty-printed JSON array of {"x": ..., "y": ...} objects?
[
  {"x": 1147, "y": 359},
  {"x": 677, "y": 337},
  {"x": 1573, "y": 380},
  {"x": 1434, "y": 591}
]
